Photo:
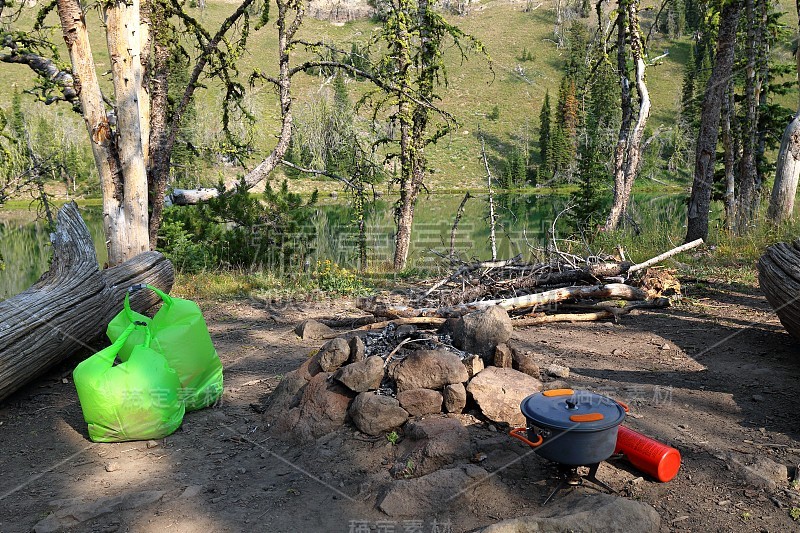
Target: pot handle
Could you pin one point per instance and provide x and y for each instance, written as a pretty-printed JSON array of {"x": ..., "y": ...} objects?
[
  {"x": 516, "y": 433},
  {"x": 624, "y": 406}
]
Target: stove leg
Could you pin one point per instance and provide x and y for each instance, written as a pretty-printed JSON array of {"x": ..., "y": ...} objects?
[
  {"x": 592, "y": 477},
  {"x": 561, "y": 485}
]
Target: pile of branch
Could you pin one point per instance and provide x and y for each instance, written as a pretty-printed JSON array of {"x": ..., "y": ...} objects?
[{"x": 598, "y": 287}]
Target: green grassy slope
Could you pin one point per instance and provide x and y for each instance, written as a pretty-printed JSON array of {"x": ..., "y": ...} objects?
[{"x": 473, "y": 89}]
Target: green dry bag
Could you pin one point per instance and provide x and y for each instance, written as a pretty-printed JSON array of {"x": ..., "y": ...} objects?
[
  {"x": 179, "y": 332},
  {"x": 134, "y": 400}
]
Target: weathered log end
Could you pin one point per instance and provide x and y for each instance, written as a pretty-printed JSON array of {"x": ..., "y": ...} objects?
[
  {"x": 779, "y": 278},
  {"x": 67, "y": 310}
]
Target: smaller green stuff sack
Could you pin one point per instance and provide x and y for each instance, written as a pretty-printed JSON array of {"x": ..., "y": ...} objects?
[
  {"x": 137, "y": 399},
  {"x": 180, "y": 334}
]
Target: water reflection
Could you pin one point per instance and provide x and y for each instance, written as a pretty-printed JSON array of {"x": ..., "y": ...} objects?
[{"x": 524, "y": 222}]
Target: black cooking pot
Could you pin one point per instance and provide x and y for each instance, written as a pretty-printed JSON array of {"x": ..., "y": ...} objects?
[{"x": 571, "y": 427}]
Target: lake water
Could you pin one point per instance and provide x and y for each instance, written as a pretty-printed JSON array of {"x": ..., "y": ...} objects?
[{"x": 523, "y": 222}]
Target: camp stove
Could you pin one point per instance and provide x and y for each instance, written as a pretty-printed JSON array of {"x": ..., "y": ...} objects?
[{"x": 570, "y": 476}]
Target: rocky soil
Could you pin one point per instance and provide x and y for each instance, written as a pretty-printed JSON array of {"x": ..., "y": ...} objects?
[{"x": 715, "y": 377}]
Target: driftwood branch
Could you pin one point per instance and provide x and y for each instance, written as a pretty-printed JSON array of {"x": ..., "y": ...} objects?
[
  {"x": 610, "y": 290},
  {"x": 600, "y": 314},
  {"x": 459, "y": 214},
  {"x": 67, "y": 310},
  {"x": 657, "y": 259}
]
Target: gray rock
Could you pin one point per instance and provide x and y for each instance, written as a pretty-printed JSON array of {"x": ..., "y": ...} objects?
[
  {"x": 286, "y": 395},
  {"x": 481, "y": 331},
  {"x": 375, "y": 414},
  {"x": 429, "y": 369},
  {"x": 433, "y": 494},
  {"x": 310, "y": 367},
  {"x": 585, "y": 513},
  {"x": 525, "y": 363},
  {"x": 449, "y": 327},
  {"x": 333, "y": 354},
  {"x": 557, "y": 371},
  {"x": 420, "y": 402},
  {"x": 502, "y": 356},
  {"x": 474, "y": 364},
  {"x": 72, "y": 513},
  {"x": 361, "y": 376},
  {"x": 431, "y": 444},
  {"x": 455, "y": 398},
  {"x": 758, "y": 471},
  {"x": 499, "y": 391},
  {"x": 357, "y": 350},
  {"x": 557, "y": 384},
  {"x": 312, "y": 330},
  {"x": 322, "y": 408}
]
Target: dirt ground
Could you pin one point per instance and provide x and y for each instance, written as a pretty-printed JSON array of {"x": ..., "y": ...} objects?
[{"x": 714, "y": 375}]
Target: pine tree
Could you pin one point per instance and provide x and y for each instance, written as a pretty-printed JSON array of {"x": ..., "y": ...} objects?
[
  {"x": 17, "y": 121},
  {"x": 544, "y": 136},
  {"x": 568, "y": 108},
  {"x": 577, "y": 67},
  {"x": 688, "y": 105}
]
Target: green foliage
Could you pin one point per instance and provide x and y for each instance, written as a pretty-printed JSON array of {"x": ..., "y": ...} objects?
[
  {"x": 184, "y": 159},
  {"x": 332, "y": 278},
  {"x": 544, "y": 134},
  {"x": 240, "y": 231},
  {"x": 794, "y": 513},
  {"x": 577, "y": 67},
  {"x": 494, "y": 114},
  {"x": 393, "y": 437},
  {"x": 525, "y": 56},
  {"x": 515, "y": 173},
  {"x": 672, "y": 21}
]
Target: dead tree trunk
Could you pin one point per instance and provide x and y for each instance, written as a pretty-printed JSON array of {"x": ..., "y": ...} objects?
[
  {"x": 628, "y": 154},
  {"x": 781, "y": 203},
  {"x": 68, "y": 309},
  {"x": 700, "y": 201},
  {"x": 787, "y": 172}
]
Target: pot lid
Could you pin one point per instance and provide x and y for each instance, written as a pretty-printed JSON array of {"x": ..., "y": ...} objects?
[{"x": 576, "y": 410}]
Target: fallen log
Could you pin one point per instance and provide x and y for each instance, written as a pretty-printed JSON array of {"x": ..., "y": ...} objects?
[
  {"x": 192, "y": 196},
  {"x": 618, "y": 291},
  {"x": 601, "y": 313},
  {"x": 779, "y": 279},
  {"x": 609, "y": 290},
  {"x": 67, "y": 310}
]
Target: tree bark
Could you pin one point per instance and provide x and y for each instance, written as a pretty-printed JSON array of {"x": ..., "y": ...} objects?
[
  {"x": 626, "y": 103},
  {"x": 787, "y": 171},
  {"x": 781, "y": 203},
  {"x": 628, "y": 155},
  {"x": 159, "y": 155},
  {"x": 284, "y": 83},
  {"x": 779, "y": 279},
  {"x": 102, "y": 139},
  {"x": 700, "y": 200},
  {"x": 127, "y": 216},
  {"x": 749, "y": 184},
  {"x": 68, "y": 309},
  {"x": 729, "y": 159},
  {"x": 401, "y": 50}
]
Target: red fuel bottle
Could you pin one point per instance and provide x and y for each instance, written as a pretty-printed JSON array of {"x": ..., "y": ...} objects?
[{"x": 648, "y": 455}]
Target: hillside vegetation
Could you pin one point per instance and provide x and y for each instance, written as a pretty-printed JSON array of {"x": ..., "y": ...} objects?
[{"x": 501, "y": 97}]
